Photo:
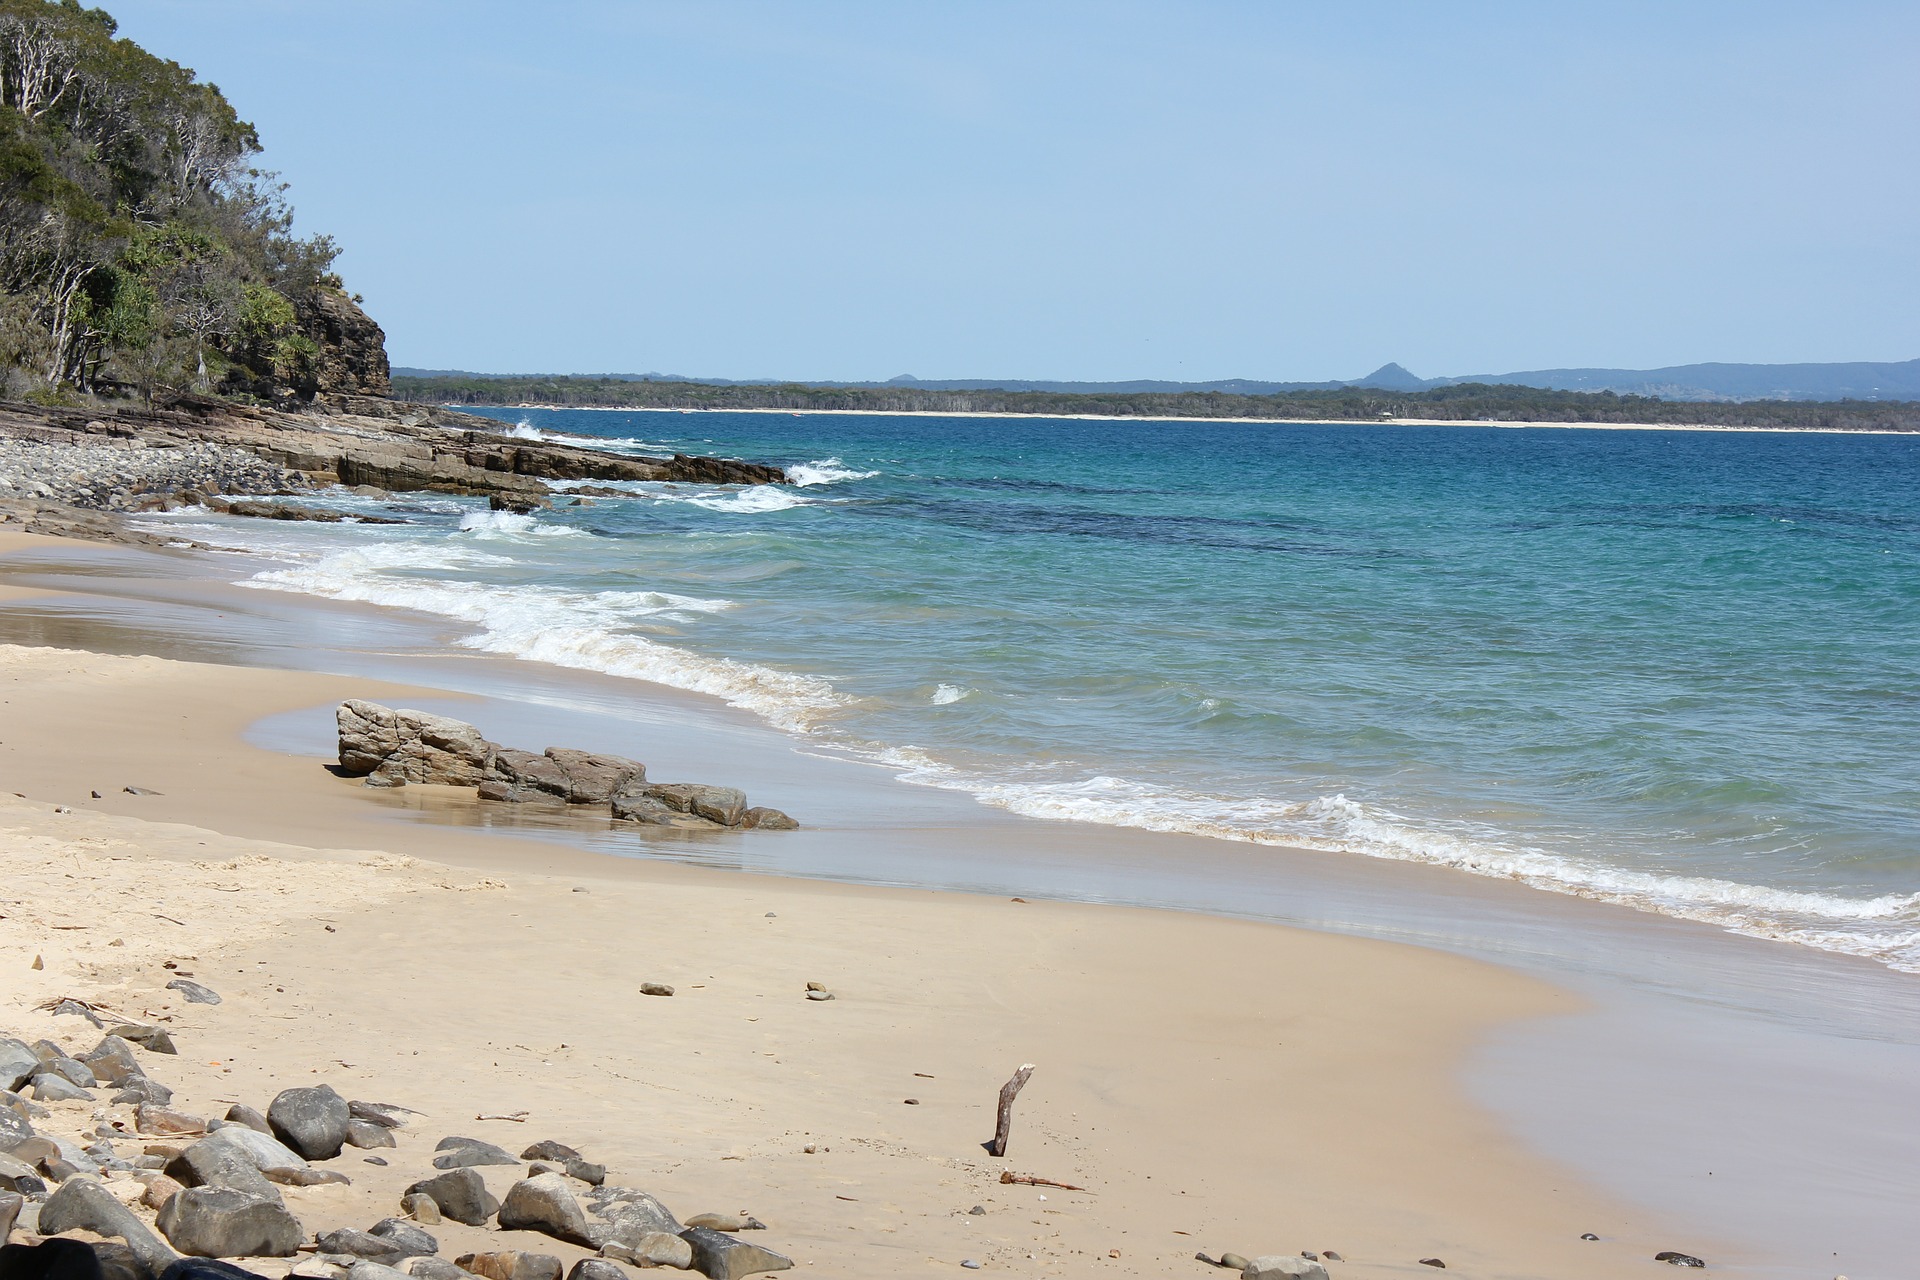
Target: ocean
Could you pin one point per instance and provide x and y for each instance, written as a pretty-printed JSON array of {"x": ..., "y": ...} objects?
[{"x": 1671, "y": 670}]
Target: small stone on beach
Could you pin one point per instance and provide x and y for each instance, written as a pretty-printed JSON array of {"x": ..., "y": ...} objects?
[
  {"x": 655, "y": 989},
  {"x": 1678, "y": 1259}
]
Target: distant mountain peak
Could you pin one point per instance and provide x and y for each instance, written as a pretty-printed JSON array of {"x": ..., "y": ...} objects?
[
  {"x": 903, "y": 380},
  {"x": 1392, "y": 377}
]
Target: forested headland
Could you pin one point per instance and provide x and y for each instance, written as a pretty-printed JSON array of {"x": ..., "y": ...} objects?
[
  {"x": 140, "y": 250},
  {"x": 1466, "y": 402}
]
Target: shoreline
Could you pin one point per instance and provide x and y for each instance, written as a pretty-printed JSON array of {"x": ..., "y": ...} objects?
[
  {"x": 1352, "y": 1058},
  {"x": 946, "y": 836},
  {"x": 1132, "y": 417}
]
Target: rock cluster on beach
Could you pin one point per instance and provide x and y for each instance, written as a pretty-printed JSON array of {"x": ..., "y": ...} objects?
[
  {"x": 157, "y": 1193},
  {"x": 60, "y": 469},
  {"x": 391, "y": 748}
]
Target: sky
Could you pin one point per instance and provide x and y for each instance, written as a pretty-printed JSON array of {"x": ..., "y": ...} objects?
[{"x": 1191, "y": 189}]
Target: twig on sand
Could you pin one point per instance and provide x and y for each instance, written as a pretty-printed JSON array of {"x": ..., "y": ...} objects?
[
  {"x": 518, "y": 1117},
  {"x": 1009, "y": 1177},
  {"x": 1008, "y": 1092},
  {"x": 169, "y": 919}
]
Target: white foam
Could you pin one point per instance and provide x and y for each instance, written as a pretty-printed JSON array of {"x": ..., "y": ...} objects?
[
  {"x": 825, "y": 471},
  {"x": 1885, "y": 928},
  {"x": 509, "y": 524},
  {"x": 758, "y": 499},
  {"x": 524, "y": 430},
  {"x": 591, "y": 632},
  {"x": 948, "y": 694}
]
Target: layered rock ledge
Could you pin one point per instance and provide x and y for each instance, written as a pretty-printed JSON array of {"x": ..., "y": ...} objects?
[
  {"x": 394, "y": 747},
  {"x": 63, "y": 471}
]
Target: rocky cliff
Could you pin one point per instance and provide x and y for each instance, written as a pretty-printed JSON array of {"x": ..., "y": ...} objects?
[{"x": 353, "y": 349}]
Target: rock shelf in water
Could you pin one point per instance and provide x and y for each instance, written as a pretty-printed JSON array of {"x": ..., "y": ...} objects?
[{"x": 391, "y": 748}]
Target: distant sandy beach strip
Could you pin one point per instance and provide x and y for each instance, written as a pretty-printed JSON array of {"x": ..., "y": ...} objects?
[
  {"x": 1144, "y": 417},
  {"x": 1215, "y": 1085}
]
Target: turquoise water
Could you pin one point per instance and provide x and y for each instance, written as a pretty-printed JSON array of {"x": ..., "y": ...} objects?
[{"x": 1670, "y": 669}]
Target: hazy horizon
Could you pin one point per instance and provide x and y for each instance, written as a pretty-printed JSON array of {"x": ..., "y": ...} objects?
[{"x": 1092, "y": 192}]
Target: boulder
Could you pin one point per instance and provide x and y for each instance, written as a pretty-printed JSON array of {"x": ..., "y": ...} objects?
[
  {"x": 384, "y": 1114},
  {"x": 240, "y": 1113},
  {"x": 720, "y": 1256},
  {"x": 526, "y": 774},
  {"x": 595, "y": 1269},
  {"x": 50, "y": 1260},
  {"x": 466, "y": 1153},
  {"x": 420, "y": 1207},
  {"x": 511, "y": 1264},
  {"x": 112, "y": 1062},
  {"x": 312, "y": 1121},
  {"x": 550, "y": 1150},
  {"x": 764, "y": 819},
  {"x": 724, "y": 805},
  {"x": 461, "y": 1195},
  {"x": 14, "y": 1128},
  {"x": 409, "y": 746},
  {"x": 207, "y": 1269},
  {"x": 81, "y": 1204},
  {"x": 1283, "y": 1266},
  {"x": 48, "y": 1087},
  {"x": 405, "y": 1236},
  {"x": 586, "y": 1171},
  {"x": 645, "y": 809},
  {"x": 653, "y": 1249},
  {"x": 595, "y": 779},
  {"x": 728, "y": 1222},
  {"x": 18, "y": 1063},
  {"x": 159, "y": 1189},
  {"x": 220, "y": 1222},
  {"x": 360, "y": 1244},
  {"x": 10, "y": 1205},
  {"x": 434, "y": 1269},
  {"x": 632, "y": 1214},
  {"x": 152, "y": 1038},
  {"x": 144, "y": 1089},
  {"x": 366, "y": 1135},
  {"x": 371, "y": 1269},
  {"x": 118, "y": 1262},
  {"x": 72, "y": 1070},
  {"x": 546, "y": 1204},
  {"x": 160, "y": 1122}
]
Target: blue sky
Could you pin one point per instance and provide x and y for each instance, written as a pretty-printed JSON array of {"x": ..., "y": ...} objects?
[{"x": 811, "y": 188}]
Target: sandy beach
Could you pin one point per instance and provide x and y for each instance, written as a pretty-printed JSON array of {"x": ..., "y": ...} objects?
[{"x": 1216, "y": 1085}]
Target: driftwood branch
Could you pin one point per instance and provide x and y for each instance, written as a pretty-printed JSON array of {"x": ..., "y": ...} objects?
[
  {"x": 1008, "y": 1177},
  {"x": 1008, "y": 1092}
]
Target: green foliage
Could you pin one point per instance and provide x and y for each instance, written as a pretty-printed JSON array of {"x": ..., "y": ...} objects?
[
  {"x": 133, "y": 233},
  {"x": 1466, "y": 402}
]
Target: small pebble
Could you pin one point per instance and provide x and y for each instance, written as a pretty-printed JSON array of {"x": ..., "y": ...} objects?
[
  {"x": 819, "y": 995},
  {"x": 1433, "y": 1262},
  {"x": 655, "y": 989},
  {"x": 970, "y": 1264},
  {"x": 978, "y": 1211},
  {"x": 374, "y": 1160},
  {"x": 912, "y": 1102},
  {"x": 1588, "y": 1235},
  {"x": 1331, "y": 1256}
]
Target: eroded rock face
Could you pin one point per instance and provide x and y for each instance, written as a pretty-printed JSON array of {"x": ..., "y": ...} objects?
[
  {"x": 410, "y": 746},
  {"x": 353, "y": 349}
]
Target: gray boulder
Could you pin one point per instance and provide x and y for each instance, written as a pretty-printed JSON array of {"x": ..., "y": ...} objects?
[
  {"x": 312, "y": 1121},
  {"x": 112, "y": 1062},
  {"x": 1283, "y": 1266},
  {"x": 366, "y": 1135},
  {"x": 360, "y": 1244},
  {"x": 722, "y": 1257},
  {"x": 220, "y": 1222},
  {"x": 14, "y": 1128},
  {"x": 148, "y": 1036},
  {"x": 467, "y": 1153},
  {"x": 81, "y": 1204},
  {"x": 595, "y": 1269},
  {"x": 10, "y": 1205},
  {"x": 18, "y": 1063},
  {"x": 461, "y": 1195},
  {"x": 48, "y": 1087},
  {"x": 546, "y": 1204},
  {"x": 144, "y": 1089},
  {"x": 240, "y": 1113},
  {"x": 384, "y": 1114},
  {"x": 421, "y": 1208},
  {"x": 72, "y": 1070},
  {"x": 405, "y": 1236},
  {"x": 368, "y": 1269}
]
